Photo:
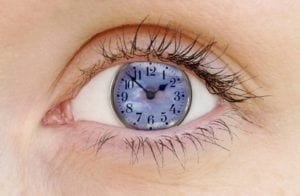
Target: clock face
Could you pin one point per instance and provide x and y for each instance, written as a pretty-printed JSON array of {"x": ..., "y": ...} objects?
[{"x": 150, "y": 96}]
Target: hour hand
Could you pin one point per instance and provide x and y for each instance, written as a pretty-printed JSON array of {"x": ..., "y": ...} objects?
[{"x": 162, "y": 87}]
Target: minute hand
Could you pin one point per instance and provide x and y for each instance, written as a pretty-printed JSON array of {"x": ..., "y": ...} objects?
[{"x": 134, "y": 80}]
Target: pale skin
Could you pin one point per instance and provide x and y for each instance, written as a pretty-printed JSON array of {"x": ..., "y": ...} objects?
[{"x": 38, "y": 38}]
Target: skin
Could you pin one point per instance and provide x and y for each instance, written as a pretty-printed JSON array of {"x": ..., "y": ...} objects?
[{"x": 38, "y": 38}]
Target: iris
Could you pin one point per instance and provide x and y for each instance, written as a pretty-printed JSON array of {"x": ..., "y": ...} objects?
[{"x": 149, "y": 96}]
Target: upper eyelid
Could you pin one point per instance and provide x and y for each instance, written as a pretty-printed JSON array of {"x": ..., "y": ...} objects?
[
  {"x": 182, "y": 49},
  {"x": 127, "y": 52}
]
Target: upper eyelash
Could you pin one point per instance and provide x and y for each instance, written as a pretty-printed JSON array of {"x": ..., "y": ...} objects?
[{"x": 217, "y": 81}]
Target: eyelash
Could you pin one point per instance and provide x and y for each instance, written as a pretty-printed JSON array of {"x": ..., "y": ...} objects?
[
  {"x": 219, "y": 83},
  {"x": 201, "y": 135},
  {"x": 217, "y": 80},
  {"x": 177, "y": 144}
]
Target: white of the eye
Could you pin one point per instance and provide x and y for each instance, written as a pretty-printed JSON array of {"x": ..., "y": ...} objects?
[
  {"x": 93, "y": 103},
  {"x": 202, "y": 101}
]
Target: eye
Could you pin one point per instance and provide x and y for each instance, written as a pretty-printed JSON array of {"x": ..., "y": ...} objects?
[
  {"x": 147, "y": 88},
  {"x": 144, "y": 96}
]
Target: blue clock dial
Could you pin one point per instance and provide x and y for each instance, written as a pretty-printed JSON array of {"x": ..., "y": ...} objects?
[{"x": 151, "y": 96}]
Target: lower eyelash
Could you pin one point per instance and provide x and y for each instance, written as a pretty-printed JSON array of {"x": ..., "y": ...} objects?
[
  {"x": 199, "y": 137},
  {"x": 101, "y": 140},
  {"x": 178, "y": 145}
]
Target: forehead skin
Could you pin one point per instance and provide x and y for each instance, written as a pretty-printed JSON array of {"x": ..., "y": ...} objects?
[{"x": 38, "y": 38}]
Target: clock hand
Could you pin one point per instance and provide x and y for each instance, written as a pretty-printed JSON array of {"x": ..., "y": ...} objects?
[
  {"x": 134, "y": 80},
  {"x": 162, "y": 87},
  {"x": 149, "y": 94}
]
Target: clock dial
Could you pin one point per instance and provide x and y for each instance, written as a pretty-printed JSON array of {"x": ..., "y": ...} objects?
[{"x": 150, "y": 96}]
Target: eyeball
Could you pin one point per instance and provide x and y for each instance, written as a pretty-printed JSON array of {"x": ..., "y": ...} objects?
[{"x": 143, "y": 96}]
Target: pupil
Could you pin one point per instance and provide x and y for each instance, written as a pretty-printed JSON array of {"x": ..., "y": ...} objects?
[{"x": 150, "y": 95}]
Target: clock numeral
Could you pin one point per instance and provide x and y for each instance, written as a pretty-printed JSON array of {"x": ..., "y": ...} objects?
[
  {"x": 173, "y": 109},
  {"x": 137, "y": 74},
  {"x": 164, "y": 117},
  {"x": 164, "y": 75},
  {"x": 177, "y": 96},
  {"x": 150, "y": 71},
  {"x": 150, "y": 119},
  {"x": 128, "y": 84},
  {"x": 139, "y": 114},
  {"x": 173, "y": 81},
  {"x": 129, "y": 108},
  {"x": 124, "y": 96}
]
